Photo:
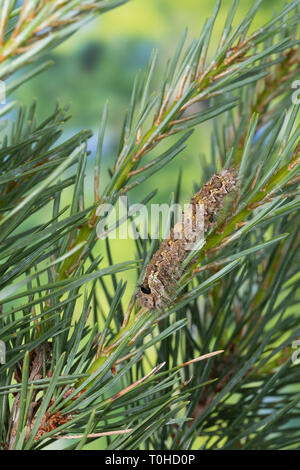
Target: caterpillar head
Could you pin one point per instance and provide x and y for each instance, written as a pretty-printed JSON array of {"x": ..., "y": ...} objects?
[{"x": 146, "y": 298}]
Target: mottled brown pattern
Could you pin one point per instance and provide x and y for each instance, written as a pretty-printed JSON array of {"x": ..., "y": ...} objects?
[{"x": 161, "y": 271}]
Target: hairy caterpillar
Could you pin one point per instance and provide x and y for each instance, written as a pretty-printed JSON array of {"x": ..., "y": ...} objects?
[{"x": 165, "y": 263}]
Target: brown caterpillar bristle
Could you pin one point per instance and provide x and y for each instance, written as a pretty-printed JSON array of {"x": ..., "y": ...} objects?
[{"x": 161, "y": 272}]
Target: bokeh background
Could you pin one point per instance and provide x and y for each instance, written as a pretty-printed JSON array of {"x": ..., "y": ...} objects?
[{"x": 100, "y": 62}]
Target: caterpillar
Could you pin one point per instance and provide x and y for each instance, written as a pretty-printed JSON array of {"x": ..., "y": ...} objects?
[{"x": 161, "y": 271}]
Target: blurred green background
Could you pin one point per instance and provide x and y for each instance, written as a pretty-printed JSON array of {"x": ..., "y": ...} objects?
[{"x": 100, "y": 62}]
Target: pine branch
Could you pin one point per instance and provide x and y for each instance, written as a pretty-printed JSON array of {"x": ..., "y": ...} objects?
[
  {"x": 37, "y": 26},
  {"x": 185, "y": 83},
  {"x": 71, "y": 374}
]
